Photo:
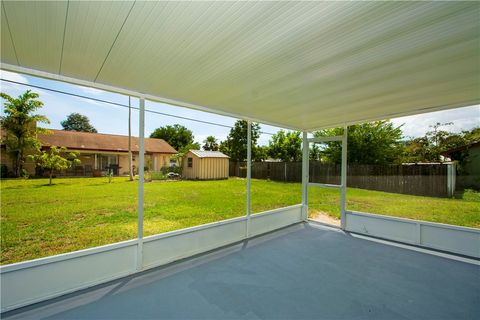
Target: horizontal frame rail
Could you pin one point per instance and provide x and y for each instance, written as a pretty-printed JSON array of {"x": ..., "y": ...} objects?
[{"x": 324, "y": 185}]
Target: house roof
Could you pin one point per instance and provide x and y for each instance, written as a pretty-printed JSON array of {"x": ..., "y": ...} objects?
[
  {"x": 302, "y": 65},
  {"x": 102, "y": 142},
  {"x": 465, "y": 147},
  {"x": 209, "y": 154}
]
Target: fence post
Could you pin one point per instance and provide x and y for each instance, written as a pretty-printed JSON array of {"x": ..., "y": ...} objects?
[{"x": 451, "y": 177}]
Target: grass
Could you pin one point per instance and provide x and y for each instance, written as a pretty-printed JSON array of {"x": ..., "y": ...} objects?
[{"x": 39, "y": 220}]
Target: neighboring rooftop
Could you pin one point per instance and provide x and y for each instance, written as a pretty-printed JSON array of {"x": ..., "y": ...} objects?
[
  {"x": 103, "y": 142},
  {"x": 462, "y": 148},
  {"x": 209, "y": 154}
]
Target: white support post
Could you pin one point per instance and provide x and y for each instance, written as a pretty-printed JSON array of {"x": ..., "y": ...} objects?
[
  {"x": 343, "y": 200},
  {"x": 249, "y": 174},
  {"x": 305, "y": 173},
  {"x": 141, "y": 179}
]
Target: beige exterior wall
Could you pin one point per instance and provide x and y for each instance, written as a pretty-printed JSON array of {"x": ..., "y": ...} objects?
[
  {"x": 27, "y": 165},
  {"x": 154, "y": 161},
  {"x": 205, "y": 168},
  {"x": 160, "y": 160}
]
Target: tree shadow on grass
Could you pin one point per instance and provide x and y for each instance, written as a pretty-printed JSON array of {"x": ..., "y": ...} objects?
[
  {"x": 51, "y": 185},
  {"x": 32, "y": 186}
]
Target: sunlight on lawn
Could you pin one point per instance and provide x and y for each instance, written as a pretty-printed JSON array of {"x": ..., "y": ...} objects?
[{"x": 78, "y": 213}]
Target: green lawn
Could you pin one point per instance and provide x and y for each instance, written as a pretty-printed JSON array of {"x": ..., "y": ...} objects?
[{"x": 39, "y": 220}]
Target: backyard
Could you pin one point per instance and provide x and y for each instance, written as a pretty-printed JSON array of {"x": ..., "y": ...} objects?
[{"x": 78, "y": 213}]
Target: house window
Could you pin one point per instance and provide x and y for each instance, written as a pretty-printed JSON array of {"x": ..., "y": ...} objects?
[
  {"x": 190, "y": 162},
  {"x": 104, "y": 161}
]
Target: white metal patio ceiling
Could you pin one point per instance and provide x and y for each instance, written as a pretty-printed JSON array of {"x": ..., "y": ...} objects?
[{"x": 302, "y": 65}]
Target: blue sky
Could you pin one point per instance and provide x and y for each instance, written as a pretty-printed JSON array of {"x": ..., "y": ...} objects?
[{"x": 107, "y": 118}]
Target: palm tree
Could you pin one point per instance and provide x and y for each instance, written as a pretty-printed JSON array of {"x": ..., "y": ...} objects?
[
  {"x": 210, "y": 144},
  {"x": 19, "y": 122}
]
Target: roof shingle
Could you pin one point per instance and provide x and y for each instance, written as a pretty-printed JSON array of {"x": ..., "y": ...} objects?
[{"x": 103, "y": 142}]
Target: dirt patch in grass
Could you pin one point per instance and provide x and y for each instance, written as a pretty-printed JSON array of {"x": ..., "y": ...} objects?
[{"x": 323, "y": 217}]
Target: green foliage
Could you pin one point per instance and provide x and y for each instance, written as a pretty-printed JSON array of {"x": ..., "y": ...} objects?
[
  {"x": 166, "y": 170},
  {"x": 376, "y": 142},
  {"x": 25, "y": 174},
  {"x": 109, "y": 176},
  {"x": 53, "y": 159},
  {"x": 471, "y": 195},
  {"x": 236, "y": 144},
  {"x": 179, "y": 157},
  {"x": 438, "y": 142},
  {"x": 260, "y": 153},
  {"x": 19, "y": 122},
  {"x": 210, "y": 144},
  {"x": 178, "y": 136},
  {"x": 158, "y": 175},
  {"x": 286, "y": 146},
  {"x": 315, "y": 152},
  {"x": 77, "y": 122}
]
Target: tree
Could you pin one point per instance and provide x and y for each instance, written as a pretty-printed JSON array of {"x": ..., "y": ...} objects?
[
  {"x": 286, "y": 146},
  {"x": 19, "y": 122},
  {"x": 314, "y": 152},
  {"x": 427, "y": 148},
  {"x": 77, "y": 122},
  {"x": 236, "y": 144},
  {"x": 52, "y": 160},
  {"x": 177, "y": 136},
  {"x": 260, "y": 153},
  {"x": 210, "y": 144},
  {"x": 179, "y": 157},
  {"x": 376, "y": 142},
  {"x": 436, "y": 142}
]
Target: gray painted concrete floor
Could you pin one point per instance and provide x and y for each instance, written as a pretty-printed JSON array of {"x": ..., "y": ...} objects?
[{"x": 301, "y": 272}]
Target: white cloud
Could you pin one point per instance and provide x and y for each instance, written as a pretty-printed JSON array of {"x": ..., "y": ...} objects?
[
  {"x": 13, "y": 76},
  {"x": 462, "y": 118},
  {"x": 91, "y": 90}
]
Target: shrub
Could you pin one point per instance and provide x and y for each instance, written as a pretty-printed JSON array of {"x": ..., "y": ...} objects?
[
  {"x": 166, "y": 170},
  {"x": 157, "y": 175}
]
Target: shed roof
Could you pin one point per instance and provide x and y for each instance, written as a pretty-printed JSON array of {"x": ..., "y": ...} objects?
[
  {"x": 209, "y": 154},
  {"x": 303, "y": 65},
  {"x": 102, "y": 142}
]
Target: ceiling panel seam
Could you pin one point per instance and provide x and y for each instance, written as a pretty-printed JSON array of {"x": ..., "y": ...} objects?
[
  {"x": 63, "y": 40},
  {"x": 113, "y": 44},
  {"x": 10, "y": 32}
]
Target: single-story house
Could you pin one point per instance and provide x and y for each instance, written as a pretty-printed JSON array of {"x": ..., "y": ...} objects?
[
  {"x": 101, "y": 152},
  {"x": 205, "y": 165}
]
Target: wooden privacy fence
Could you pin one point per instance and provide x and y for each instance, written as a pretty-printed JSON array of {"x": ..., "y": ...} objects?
[{"x": 417, "y": 179}]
